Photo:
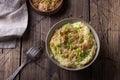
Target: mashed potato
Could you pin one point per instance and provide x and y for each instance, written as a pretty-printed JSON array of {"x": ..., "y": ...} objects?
[{"x": 73, "y": 45}]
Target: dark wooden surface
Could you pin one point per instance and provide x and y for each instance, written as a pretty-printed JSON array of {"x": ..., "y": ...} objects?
[{"x": 104, "y": 16}]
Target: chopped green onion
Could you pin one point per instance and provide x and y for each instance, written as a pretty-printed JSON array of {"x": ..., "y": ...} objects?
[
  {"x": 80, "y": 37},
  {"x": 80, "y": 17},
  {"x": 78, "y": 60},
  {"x": 76, "y": 29},
  {"x": 69, "y": 45},
  {"x": 103, "y": 30},
  {"x": 77, "y": 52},
  {"x": 83, "y": 55},
  {"x": 93, "y": 15},
  {"x": 53, "y": 48},
  {"x": 88, "y": 37},
  {"x": 69, "y": 35},
  {"x": 90, "y": 22},
  {"x": 66, "y": 26}
]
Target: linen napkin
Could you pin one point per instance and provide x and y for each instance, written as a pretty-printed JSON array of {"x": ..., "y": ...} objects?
[{"x": 13, "y": 21}]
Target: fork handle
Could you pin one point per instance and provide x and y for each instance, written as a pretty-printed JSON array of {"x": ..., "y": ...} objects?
[{"x": 12, "y": 77}]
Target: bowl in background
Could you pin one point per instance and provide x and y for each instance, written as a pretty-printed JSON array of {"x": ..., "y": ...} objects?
[{"x": 46, "y": 12}]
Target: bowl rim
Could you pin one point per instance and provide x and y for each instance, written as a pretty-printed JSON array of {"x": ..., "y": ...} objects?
[
  {"x": 46, "y": 11},
  {"x": 92, "y": 31}
]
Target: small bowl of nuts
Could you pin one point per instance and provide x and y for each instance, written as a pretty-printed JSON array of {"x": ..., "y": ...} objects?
[{"x": 46, "y": 7}]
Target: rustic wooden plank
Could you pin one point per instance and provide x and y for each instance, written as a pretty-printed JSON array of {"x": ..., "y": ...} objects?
[
  {"x": 82, "y": 9},
  {"x": 106, "y": 23},
  {"x": 37, "y": 70},
  {"x": 48, "y": 68},
  {"x": 45, "y": 26},
  {"x": 1, "y": 51},
  {"x": 9, "y": 61},
  {"x": 1, "y": 67},
  {"x": 104, "y": 18}
]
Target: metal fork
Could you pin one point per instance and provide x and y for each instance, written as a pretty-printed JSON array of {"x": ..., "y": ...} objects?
[{"x": 32, "y": 54}]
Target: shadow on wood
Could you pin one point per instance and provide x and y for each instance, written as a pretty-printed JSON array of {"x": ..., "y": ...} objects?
[{"x": 104, "y": 68}]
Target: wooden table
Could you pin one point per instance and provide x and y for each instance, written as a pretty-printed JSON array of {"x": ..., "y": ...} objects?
[{"x": 104, "y": 16}]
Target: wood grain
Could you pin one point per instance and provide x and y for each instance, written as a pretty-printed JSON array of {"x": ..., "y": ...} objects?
[
  {"x": 1, "y": 62},
  {"x": 104, "y": 17},
  {"x": 9, "y": 61},
  {"x": 38, "y": 25},
  {"x": 106, "y": 23}
]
